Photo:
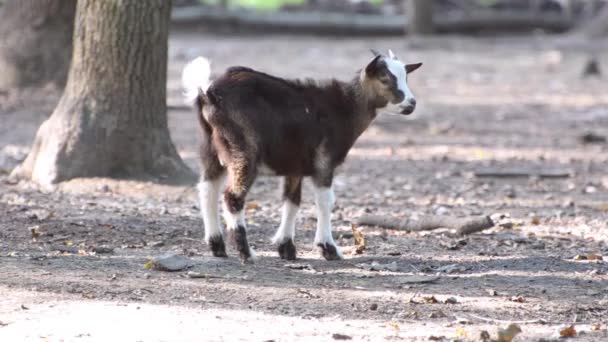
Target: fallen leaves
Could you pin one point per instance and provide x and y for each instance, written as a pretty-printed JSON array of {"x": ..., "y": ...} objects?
[
  {"x": 568, "y": 331},
  {"x": 509, "y": 333},
  {"x": 517, "y": 299},
  {"x": 590, "y": 257},
  {"x": 433, "y": 300},
  {"x": 394, "y": 324},
  {"x": 359, "y": 240},
  {"x": 504, "y": 335}
]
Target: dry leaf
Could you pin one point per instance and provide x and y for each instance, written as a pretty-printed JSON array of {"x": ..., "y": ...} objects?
[
  {"x": 359, "y": 240},
  {"x": 430, "y": 300},
  {"x": 393, "y": 324},
  {"x": 149, "y": 264},
  {"x": 596, "y": 326},
  {"x": 509, "y": 333},
  {"x": 35, "y": 231},
  {"x": 535, "y": 221},
  {"x": 518, "y": 299},
  {"x": 568, "y": 331},
  {"x": 588, "y": 257},
  {"x": 253, "y": 205},
  {"x": 68, "y": 243},
  {"x": 461, "y": 332}
]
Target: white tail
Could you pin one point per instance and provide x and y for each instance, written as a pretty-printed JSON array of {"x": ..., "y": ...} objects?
[{"x": 195, "y": 78}]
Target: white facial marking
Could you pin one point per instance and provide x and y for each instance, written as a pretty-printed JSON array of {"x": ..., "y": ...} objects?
[
  {"x": 209, "y": 195},
  {"x": 324, "y": 199},
  {"x": 287, "y": 229},
  {"x": 397, "y": 68}
]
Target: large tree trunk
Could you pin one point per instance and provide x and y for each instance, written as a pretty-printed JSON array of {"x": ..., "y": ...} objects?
[
  {"x": 111, "y": 120},
  {"x": 35, "y": 42},
  {"x": 420, "y": 16},
  {"x": 598, "y": 26}
]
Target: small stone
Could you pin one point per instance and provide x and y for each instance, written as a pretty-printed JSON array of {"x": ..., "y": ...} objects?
[
  {"x": 341, "y": 337},
  {"x": 171, "y": 263},
  {"x": 373, "y": 307},
  {"x": 451, "y": 300},
  {"x": 103, "y": 250}
]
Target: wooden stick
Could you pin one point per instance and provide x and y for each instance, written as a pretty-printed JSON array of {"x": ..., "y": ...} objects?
[
  {"x": 463, "y": 225},
  {"x": 501, "y": 173}
]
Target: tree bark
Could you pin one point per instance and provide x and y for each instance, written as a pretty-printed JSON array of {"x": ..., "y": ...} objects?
[
  {"x": 111, "y": 120},
  {"x": 420, "y": 17},
  {"x": 598, "y": 26},
  {"x": 35, "y": 42}
]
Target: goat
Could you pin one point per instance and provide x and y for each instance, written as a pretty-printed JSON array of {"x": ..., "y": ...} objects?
[{"x": 252, "y": 121}]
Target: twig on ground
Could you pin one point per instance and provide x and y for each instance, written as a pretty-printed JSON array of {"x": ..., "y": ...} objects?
[
  {"x": 521, "y": 173},
  {"x": 493, "y": 320},
  {"x": 462, "y": 225}
]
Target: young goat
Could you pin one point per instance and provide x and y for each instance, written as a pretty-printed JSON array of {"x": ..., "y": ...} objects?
[{"x": 252, "y": 121}]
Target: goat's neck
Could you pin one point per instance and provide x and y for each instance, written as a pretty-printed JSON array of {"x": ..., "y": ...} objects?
[{"x": 365, "y": 105}]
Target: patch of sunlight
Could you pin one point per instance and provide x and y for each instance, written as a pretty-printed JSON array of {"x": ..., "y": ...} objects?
[{"x": 58, "y": 320}]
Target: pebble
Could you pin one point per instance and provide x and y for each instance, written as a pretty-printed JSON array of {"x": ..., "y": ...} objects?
[{"x": 171, "y": 263}]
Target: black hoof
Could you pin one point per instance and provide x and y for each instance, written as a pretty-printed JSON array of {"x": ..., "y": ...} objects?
[
  {"x": 329, "y": 252},
  {"x": 287, "y": 250},
  {"x": 238, "y": 238},
  {"x": 218, "y": 248}
]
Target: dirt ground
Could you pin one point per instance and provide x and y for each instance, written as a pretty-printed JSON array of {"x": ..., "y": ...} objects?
[{"x": 509, "y": 103}]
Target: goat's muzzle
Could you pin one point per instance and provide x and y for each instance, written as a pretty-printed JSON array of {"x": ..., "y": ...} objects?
[{"x": 407, "y": 110}]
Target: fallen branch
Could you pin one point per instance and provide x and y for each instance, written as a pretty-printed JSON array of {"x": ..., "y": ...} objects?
[
  {"x": 502, "y": 321},
  {"x": 462, "y": 225},
  {"x": 515, "y": 173}
]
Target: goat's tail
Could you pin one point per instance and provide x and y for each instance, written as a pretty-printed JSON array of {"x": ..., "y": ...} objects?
[{"x": 195, "y": 80}]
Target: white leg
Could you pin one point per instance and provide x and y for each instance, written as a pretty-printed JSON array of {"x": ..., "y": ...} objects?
[
  {"x": 324, "y": 198},
  {"x": 234, "y": 221},
  {"x": 209, "y": 194},
  {"x": 287, "y": 229}
]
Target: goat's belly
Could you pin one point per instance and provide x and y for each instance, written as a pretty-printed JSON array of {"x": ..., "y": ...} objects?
[
  {"x": 265, "y": 170},
  {"x": 288, "y": 169}
]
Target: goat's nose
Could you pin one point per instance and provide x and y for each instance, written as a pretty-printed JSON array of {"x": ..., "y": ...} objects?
[{"x": 412, "y": 101}]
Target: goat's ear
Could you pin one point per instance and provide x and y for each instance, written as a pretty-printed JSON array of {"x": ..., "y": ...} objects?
[
  {"x": 412, "y": 67},
  {"x": 375, "y": 52},
  {"x": 372, "y": 67},
  {"x": 391, "y": 54}
]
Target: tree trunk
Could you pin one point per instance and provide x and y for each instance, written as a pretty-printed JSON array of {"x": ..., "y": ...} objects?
[
  {"x": 420, "y": 16},
  {"x": 111, "y": 120},
  {"x": 598, "y": 26},
  {"x": 35, "y": 42}
]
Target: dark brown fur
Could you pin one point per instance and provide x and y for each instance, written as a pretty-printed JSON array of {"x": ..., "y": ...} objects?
[{"x": 296, "y": 128}]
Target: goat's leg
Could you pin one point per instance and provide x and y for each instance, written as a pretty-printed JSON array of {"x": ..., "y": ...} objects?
[
  {"x": 325, "y": 199},
  {"x": 292, "y": 193},
  {"x": 241, "y": 175},
  {"x": 209, "y": 190}
]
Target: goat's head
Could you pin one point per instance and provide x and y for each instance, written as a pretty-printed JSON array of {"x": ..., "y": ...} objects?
[{"x": 385, "y": 80}]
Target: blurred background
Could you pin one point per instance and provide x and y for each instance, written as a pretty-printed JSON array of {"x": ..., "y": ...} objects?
[{"x": 511, "y": 122}]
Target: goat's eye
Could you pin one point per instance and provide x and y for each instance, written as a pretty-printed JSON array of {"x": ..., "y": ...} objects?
[{"x": 384, "y": 79}]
